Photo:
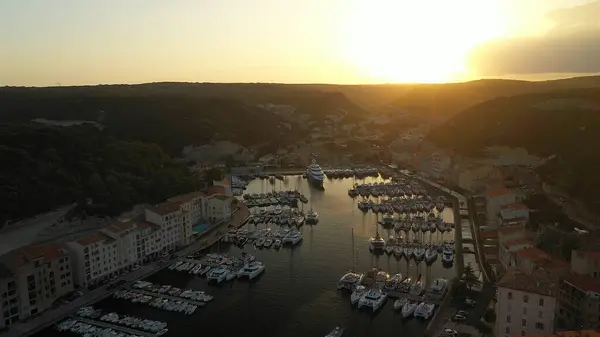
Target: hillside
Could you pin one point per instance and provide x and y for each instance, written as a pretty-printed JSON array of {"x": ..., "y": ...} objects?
[
  {"x": 562, "y": 123},
  {"x": 46, "y": 167}
]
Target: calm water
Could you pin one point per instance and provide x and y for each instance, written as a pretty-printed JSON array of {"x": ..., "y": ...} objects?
[{"x": 297, "y": 295}]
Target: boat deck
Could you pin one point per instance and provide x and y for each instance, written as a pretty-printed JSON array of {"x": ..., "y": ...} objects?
[{"x": 115, "y": 327}]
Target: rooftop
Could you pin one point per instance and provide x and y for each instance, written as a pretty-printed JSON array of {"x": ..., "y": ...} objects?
[
  {"x": 497, "y": 192},
  {"x": 120, "y": 226},
  {"x": 24, "y": 255},
  {"x": 584, "y": 283},
  {"x": 538, "y": 282},
  {"x": 520, "y": 242},
  {"x": 220, "y": 197},
  {"x": 165, "y": 208},
  {"x": 183, "y": 198},
  {"x": 510, "y": 230},
  {"x": 215, "y": 190},
  {"x": 91, "y": 239},
  {"x": 517, "y": 206},
  {"x": 576, "y": 333},
  {"x": 534, "y": 255}
]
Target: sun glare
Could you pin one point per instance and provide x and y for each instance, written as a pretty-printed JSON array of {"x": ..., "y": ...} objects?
[{"x": 418, "y": 41}]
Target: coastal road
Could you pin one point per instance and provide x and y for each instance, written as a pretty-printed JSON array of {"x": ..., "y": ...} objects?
[{"x": 52, "y": 315}]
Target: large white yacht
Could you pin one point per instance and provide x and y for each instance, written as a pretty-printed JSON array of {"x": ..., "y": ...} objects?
[
  {"x": 424, "y": 310},
  {"x": 312, "y": 217},
  {"x": 373, "y": 298},
  {"x": 251, "y": 270},
  {"x": 217, "y": 275},
  {"x": 315, "y": 174},
  {"x": 357, "y": 294},
  {"x": 408, "y": 309},
  {"x": 349, "y": 281},
  {"x": 292, "y": 237}
]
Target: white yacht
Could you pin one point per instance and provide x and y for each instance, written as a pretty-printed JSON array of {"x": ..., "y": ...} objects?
[
  {"x": 419, "y": 253},
  {"x": 438, "y": 288},
  {"x": 312, "y": 217},
  {"x": 251, "y": 270},
  {"x": 292, "y": 237},
  {"x": 387, "y": 219},
  {"x": 337, "y": 332},
  {"x": 399, "y": 303},
  {"x": 315, "y": 174},
  {"x": 357, "y": 294},
  {"x": 217, "y": 275},
  {"x": 260, "y": 242},
  {"x": 377, "y": 243},
  {"x": 448, "y": 258},
  {"x": 424, "y": 310},
  {"x": 373, "y": 298},
  {"x": 408, "y": 309},
  {"x": 417, "y": 289},
  {"x": 349, "y": 281},
  {"x": 408, "y": 252}
]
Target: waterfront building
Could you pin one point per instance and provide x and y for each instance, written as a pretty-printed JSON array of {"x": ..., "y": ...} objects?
[
  {"x": 218, "y": 207},
  {"x": 526, "y": 303},
  {"x": 191, "y": 206},
  {"x": 571, "y": 333},
  {"x": 496, "y": 199},
  {"x": 579, "y": 302},
  {"x": 31, "y": 279},
  {"x": 513, "y": 215},
  {"x": 94, "y": 258},
  {"x": 169, "y": 217}
]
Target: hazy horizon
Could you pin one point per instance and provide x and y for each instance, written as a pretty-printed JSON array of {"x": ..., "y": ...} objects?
[{"x": 282, "y": 41}]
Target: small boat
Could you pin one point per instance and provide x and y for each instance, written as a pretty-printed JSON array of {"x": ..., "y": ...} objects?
[
  {"x": 408, "y": 309},
  {"x": 417, "y": 289},
  {"x": 448, "y": 259},
  {"x": 398, "y": 251},
  {"x": 260, "y": 242},
  {"x": 424, "y": 310},
  {"x": 277, "y": 244},
  {"x": 430, "y": 255},
  {"x": 419, "y": 253},
  {"x": 268, "y": 243},
  {"x": 349, "y": 281},
  {"x": 357, "y": 294},
  {"x": 337, "y": 332},
  {"x": 389, "y": 250},
  {"x": 376, "y": 243},
  {"x": 408, "y": 252},
  {"x": 373, "y": 298},
  {"x": 399, "y": 303}
]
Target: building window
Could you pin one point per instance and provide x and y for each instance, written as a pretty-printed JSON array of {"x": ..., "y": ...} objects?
[
  {"x": 507, "y": 330},
  {"x": 541, "y": 302},
  {"x": 524, "y": 322},
  {"x": 525, "y": 298},
  {"x": 539, "y": 326},
  {"x": 507, "y": 319},
  {"x": 509, "y": 295}
]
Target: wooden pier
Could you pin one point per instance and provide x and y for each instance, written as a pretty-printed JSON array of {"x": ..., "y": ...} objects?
[
  {"x": 115, "y": 327},
  {"x": 168, "y": 297}
]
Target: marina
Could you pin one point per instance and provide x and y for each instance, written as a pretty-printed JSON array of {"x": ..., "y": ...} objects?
[{"x": 296, "y": 293}]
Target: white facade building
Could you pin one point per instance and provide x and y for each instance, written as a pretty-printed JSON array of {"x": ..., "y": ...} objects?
[
  {"x": 169, "y": 217},
  {"x": 526, "y": 304},
  {"x": 513, "y": 213},
  {"x": 191, "y": 211},
  {"x": 94, "y": 258},
  {"x": 218, "y": 207},
  {"x": 495, "y": 200},
  {"x": 507, "y": 250}
]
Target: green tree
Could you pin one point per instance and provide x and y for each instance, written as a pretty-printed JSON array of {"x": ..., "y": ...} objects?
[{"x": 469, "y": 277}]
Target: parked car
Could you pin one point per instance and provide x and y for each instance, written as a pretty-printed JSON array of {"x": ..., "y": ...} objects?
[
  {"x": 470, "y": 302},
  {"x": 450, "y": 332}
]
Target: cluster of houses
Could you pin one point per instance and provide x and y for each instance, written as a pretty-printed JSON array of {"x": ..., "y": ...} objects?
[{"x": 33, "y": 277}]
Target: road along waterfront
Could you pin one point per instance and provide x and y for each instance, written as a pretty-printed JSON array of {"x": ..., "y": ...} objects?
[{"x": 297, "y": 294}]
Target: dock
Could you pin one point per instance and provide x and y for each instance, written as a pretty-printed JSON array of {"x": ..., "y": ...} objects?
[
  {"x": 168, "y": 297},
  {"x": 115, "y": 327}
]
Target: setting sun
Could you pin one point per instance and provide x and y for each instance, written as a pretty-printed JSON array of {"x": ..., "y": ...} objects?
[{"x": 427, "y": 41}]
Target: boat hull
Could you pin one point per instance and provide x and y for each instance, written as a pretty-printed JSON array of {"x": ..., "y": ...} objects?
[{"x": 315, "y": 182}]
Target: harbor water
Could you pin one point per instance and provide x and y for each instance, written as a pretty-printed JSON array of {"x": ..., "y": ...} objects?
[{"x": 297, "y": 294}]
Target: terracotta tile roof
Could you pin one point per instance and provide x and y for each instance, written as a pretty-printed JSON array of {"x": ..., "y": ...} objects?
[
  {"x": 577, "y": 333},
  {"x": 91, "y": 239},
  {"x": 520, "y": 242},
  {"x": 510, "y": 230},
  {"x": 538, "y": 282},
  {"x": 183, "y": 198},
  {"x": 215, "y": 190},
  {"x": 556, "y": 266},
  {"x": 584, "y": 283},
  {"x": 165, "y": 208},
  {"x": 121, "y": 226},
  {"x": 220, "y": 197},
  {"x": 27, "y": 254},
  {"x": 534, "y": 255},
  {"x": 146, "y": 225},
  {"x": 497, "y": 192},
  {"x": 489, "y": 235}
]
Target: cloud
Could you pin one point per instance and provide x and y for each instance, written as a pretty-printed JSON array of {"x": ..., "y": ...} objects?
[{"x": 571, "y": 46}]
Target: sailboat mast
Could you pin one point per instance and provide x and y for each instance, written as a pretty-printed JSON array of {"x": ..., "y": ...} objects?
[{"x": 353, "y": 261}]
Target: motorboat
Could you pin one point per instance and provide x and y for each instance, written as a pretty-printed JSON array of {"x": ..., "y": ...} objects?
[
  {"x": 292, "y": 237},
  {"x": 438, "y": 288},
  {"x": 399, "y": 303},
  {"x": 312, "y": 217},
  {"x": 231, "y": 275},
  {"x": 448, "y": 259},
  {"x": 408, "y": 252},
  {"x": 430, "y": 255},
  {"x": 217, "y": 275},
  {"x": 416, "y": 289},
  {"x": 389, "y": 250},
  {"x": 357, "y": 294},
  {"x": 408, "y": 309},
  {"x": 392, "y": 282},
  {"x": 349, "y": 281},
  {"x": 315, "y": 174},
  {"x": 424, "y": 310},
  {"x": 398, "y": 251},
  {"x": 373, "y": 298},
  {"x": 419, "y": 253},
  {"x": 337, "y": 332},
  {"x": 387, "y": 219},
  {"x": 260, "y": 242},
  {"x": 376, "y": 243},
  {"x": 268, "y": 243},
  {"x": 277, "y": 244},
  {"x": 251, "y": 270}
]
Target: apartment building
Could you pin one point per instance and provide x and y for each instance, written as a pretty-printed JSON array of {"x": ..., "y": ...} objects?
[
  {"x": 31, "y": 279},
  {"x": 513, "y": 215},
  {"x": 496, "y": 199},
  {"x": 526, "y": 303},
  {"x": 168, "y": 216},
  {"x": 95, "y": 258},
  {"x": 218, "y": 207},
  {"x": 191, "y": 210},
  {"x": 579, "y": 302}
]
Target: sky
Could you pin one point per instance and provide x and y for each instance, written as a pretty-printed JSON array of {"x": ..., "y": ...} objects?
[{"x": 76, "y": 42}]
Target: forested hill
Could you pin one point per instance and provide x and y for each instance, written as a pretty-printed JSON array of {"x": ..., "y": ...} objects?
[
  {"x": 562, "y": 123},
  {"x": 46, "y": 167}
]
